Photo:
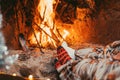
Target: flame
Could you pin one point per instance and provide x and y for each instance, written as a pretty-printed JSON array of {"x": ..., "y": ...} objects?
[
  {"x": 46, "y": 11},
  {"x": 66, "y": 33},
  {"x": 45, "y": 39},
  {"x": 33, "y": 39},
  {"x": 48, "y": 34}
]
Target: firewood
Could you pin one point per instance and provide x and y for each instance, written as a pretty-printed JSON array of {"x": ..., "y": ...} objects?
[
  {"x": 37, "y": 41},
  {"x": 45, "y": 32}
]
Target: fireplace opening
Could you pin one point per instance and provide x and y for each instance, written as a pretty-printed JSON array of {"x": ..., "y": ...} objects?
[{"x": 48, "y": 23}]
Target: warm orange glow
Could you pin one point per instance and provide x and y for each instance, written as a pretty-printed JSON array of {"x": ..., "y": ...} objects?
[
  {"x": 48, "y": 79},
  {"x": 48, "y": 34},
  {"x": 46, "y": 11},
  {"x": 66, "y": 33},
  {"x": 44, "y": 37},
  {"x": 33, "y": 39},
  {"x": 30, "y": 77},
  {"x": 14, "y": 74}
]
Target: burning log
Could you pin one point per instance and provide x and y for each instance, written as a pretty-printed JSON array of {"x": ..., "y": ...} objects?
[
  {"x": 46, "y": 26},
  {"x": 37, "y": 41},
  {"x": 52, "y": 37}
]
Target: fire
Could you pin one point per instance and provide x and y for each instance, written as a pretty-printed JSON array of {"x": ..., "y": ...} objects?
[
  {"x": 45, "y": 39},
  {"x": 46, "y": 11},
  {"x": 48, "y": 34},
  {"x": 66, "y": 33},
  {"x": 33, "y": 39}
]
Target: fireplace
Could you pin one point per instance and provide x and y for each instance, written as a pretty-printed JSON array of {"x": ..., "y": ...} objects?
[
  {"x": 48, "y": 23},
  {"x": 45, "y": 24}
]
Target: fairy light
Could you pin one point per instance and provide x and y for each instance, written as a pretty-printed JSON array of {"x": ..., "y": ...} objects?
[
  {"x": 14, "y": 74},
  {"x": 48, "y": 79},
  {"x": 30, "y": 77}
]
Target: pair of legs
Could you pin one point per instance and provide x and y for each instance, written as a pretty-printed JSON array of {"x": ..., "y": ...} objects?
[{"x": 92, "y": 63}]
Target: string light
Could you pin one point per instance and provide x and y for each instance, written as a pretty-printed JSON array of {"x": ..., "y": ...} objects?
[
  {"x": 30, "y": 77},
  {"x": 48, "y": 79},
  {"x": 14, "y": 74}
]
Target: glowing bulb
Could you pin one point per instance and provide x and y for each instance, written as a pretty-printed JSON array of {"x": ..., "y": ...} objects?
[
  {"x": 14, "y": 74},
  {"x": 30, "y": 77},
  {"x": 48, "y": 79}
]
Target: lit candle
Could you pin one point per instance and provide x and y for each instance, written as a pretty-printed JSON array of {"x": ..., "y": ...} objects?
[{"x": 30, "y": 77}]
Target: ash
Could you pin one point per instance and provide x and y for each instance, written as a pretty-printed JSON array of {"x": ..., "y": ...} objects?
[{"x": 32, "y": 62}]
